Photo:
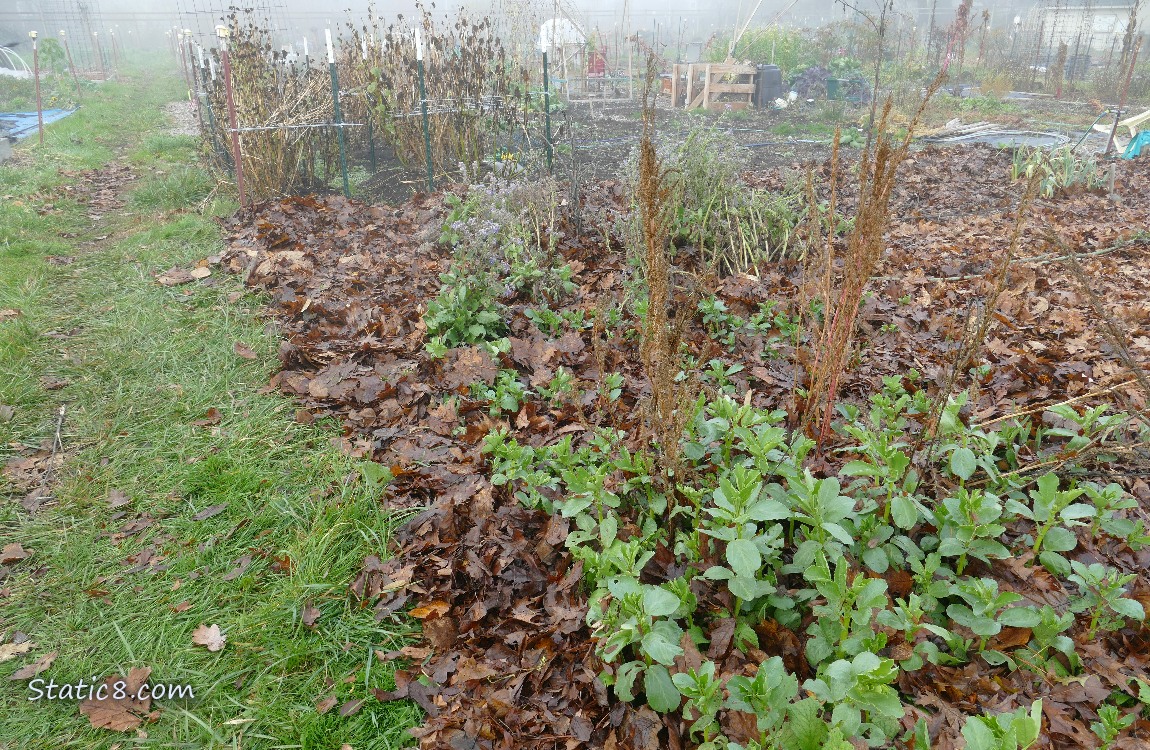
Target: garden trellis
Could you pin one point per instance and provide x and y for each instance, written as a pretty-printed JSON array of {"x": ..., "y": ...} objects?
[{"x": 443, "y": 96}]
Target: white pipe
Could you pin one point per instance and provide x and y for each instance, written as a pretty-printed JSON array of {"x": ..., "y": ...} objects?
[
  {"x": 330, "y": 49},
  {"x": 418, "y": 45},
  {"x": 305, "y": 47}
]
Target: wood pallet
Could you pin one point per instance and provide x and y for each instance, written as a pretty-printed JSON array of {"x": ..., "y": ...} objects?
[{"x": 695, "y": 85}]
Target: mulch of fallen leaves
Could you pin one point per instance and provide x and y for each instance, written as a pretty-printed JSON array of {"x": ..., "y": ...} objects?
[{"x": 507, "y": 655}]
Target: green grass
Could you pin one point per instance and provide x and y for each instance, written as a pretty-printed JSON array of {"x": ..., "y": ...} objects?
[{"x": 143, "y": 363}]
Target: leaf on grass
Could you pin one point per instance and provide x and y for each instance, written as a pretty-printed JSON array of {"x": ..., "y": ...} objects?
[
  {"x": 118, "y": 498},
  {"x": 120, "y": 714},
  {"x": 13, "y": 553},
  {"x": 212, "y": 416},
  {"x": 28, "y": 671},
  {"x": 210, "y": 637},
  {"x": 8, "y": 314},
  {"x": 351, "y": 707},
  {"x": 243, "y": 350},
  {"x": 325, "y": 704},
  {"x": 175, "y": 276},
  {"x": 242, "y": 565},
  {"x": 183, "y": 606},
  {"x": 7, "y": 413},
  {"x": 208, "y": 512},
  {"x": 309, "y": 614},
  {"x": 12, "y": 650}
]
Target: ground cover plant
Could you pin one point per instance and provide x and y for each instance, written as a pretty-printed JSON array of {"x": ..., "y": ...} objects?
[{"x": 629, "y": 537}]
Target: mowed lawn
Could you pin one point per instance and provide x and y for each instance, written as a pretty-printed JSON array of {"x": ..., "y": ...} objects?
[{"x": 179, "y": 496}]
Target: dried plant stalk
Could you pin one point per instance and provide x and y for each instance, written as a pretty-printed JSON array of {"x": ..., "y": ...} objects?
[
  {"x": 863, "y": 252},
  {"x": 668, "y": 410}
]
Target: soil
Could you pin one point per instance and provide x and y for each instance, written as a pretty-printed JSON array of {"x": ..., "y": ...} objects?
[{"x": 507, "y": 660}]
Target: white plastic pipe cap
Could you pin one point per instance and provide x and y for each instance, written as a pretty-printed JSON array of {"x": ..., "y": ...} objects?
[{"x": 330, "y": 49}]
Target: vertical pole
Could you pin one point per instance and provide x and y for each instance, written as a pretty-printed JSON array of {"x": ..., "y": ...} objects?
[
  {"x": 184, "y": 59},
  {"x": 237, "y": 155},
  {"x": 197, "y": 80},
  {"x": 71, "y": 65},
  {"x": 306, "y": 57},
  {"x": 631, "y": 74},
  {"x": 36, "y": 75},
  {"x": 423, "y": 109},
  {"x": 100, "y": 55},
  {"x": 547, "y": 110},
  {"x": 371, "y": 142},
  {"x": 338, "y": 114}
]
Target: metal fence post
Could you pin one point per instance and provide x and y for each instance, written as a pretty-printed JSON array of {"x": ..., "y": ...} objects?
[
  {"x": 547, "y": 110},
  {"x": 71, "y": 65},
  {"x": 36, "y": 75},
  {"x": 338, "y": 114},
  {"x": 423, "y": 109}
]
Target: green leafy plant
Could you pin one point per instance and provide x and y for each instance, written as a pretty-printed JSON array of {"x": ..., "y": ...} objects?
[
  {"x": 1017, "y": 730},
  {"x": 463, "y": 313},
  {"x": 1101, "y": 595}
]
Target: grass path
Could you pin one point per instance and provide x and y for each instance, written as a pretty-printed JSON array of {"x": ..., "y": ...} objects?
[{"x": 108, "y": 588}]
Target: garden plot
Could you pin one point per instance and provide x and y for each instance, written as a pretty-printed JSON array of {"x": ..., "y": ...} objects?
[{"x": 960, "y": 543}]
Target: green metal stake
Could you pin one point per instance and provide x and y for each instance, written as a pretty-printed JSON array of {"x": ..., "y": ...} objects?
[
  {"x": 423, "y": 109},
  {"x": 371, "y": 143},
  {"x": 547, "y": 110},
  {"x": 338, "y": 114}
]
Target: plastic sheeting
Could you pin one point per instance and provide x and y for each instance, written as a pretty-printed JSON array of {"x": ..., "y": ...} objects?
[
  {"x": 23, "y": 124},
  {"x": 1140, "y": 143}
]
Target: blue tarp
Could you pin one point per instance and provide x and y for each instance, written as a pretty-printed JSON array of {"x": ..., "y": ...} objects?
[
  {"x": 1135, "y": 147},
  {"x": 23, "y": 124}
]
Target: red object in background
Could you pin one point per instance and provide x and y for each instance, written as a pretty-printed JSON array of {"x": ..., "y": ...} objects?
[{"x": 597, "y": 63}]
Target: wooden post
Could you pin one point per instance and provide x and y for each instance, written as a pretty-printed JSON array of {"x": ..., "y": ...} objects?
[
  {"x": 690, "y": 85},
  {"x": 707, "y": 87}
]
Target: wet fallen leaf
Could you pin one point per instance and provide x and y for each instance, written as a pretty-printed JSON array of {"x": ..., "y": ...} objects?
[
  {"x": 309, "y": 615},
  {"x": 118, "y": 498},
  {"x": 431, "y": 609},
  {"x": 210, "y": 637},
  {"x": 183, "y": 606},
  {"x": 13, "y": 552},
  {"x": 243, "y": 350},
  {"x": 175, "y": 276},
  {"x": 326, "y": 704},
  {"x": 351, "y": 707},
  {"x": 208, "y": 512},
  {"x": 12, "y": 650},
  {"x": 212, "y": 416},
  {"x": 28, "y": 671},
  {"x": 120, "y": 714}
]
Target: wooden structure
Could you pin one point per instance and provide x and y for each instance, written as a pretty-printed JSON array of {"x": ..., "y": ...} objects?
[{"x": 712, "y": 85}]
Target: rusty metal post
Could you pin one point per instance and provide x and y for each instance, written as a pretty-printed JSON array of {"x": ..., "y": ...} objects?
[
  {"x": 71, "y": 65},
  {"x": 36, "y": 75}
]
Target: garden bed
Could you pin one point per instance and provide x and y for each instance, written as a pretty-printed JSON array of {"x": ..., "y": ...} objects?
[{"x": 508, "y": 658}]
